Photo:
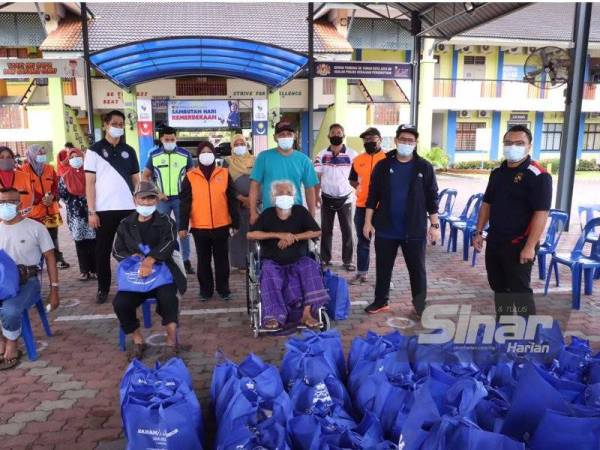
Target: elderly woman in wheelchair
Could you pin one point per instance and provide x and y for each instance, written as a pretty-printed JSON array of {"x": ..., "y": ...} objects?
[{"x": 291, "y": 282}]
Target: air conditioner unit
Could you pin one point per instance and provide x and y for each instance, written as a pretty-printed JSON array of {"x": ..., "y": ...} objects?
[
  {"x": 465, "y": 114},
  {"x": 482, "y": 114},
  {"x": 531, "y": 49},
  {"x": 487, "y": 49},
  {"x": 514, "y": 51},
  {"x": 467, "y": 49},
  {"x": 441, "y": 48}
]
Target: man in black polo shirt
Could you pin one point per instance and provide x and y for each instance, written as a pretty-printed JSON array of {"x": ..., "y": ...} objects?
[
  {"x": 111, "y": 171},
  {"x": 516, "y": 203}
]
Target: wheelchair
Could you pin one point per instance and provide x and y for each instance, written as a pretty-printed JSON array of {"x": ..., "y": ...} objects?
[{"x": 253, "y": 298}]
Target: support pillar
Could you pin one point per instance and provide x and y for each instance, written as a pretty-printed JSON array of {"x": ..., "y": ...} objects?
[
  {"x": 130, "y": 111},
  {"x": 574, "y": 97},
  {"x": 538, "y": 128},
  {"x": 341, "y": 101},
  {"x": 425, "y": 110},
  {"x": 495, "y": 148},
  {"x": 3, "y": 89},
  {"x": 451, "y": 136},
  {"x": 274, "y": 101},
  {"x": 57, "y": 114}
]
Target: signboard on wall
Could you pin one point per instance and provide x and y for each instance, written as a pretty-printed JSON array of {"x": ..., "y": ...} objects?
[
  {"x": 356, "y": 69},
  {"x": 204, "y": 114},
  {"x": 519, "y": 117},
  {"x": 41, "y": 68},
  {"x": 260, "y": 110}
]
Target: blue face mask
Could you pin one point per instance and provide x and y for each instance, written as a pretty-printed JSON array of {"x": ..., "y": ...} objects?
[
  {"x": 286, "y": 143},
  {"x": 41, "y": 159},
  {"x": 145, "y": 210},
  {"x": 514, "y": 153},
  {"x": 76, "y": 162},
  {"x": 8, "y": 211}
]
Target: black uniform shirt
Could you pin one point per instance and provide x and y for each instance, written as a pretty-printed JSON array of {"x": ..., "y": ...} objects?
[{"x": 514, "y": 195}]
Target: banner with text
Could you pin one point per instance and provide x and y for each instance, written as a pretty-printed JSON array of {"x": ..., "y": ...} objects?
[
  {"x": 41, "y": 68},
  {"x": 204, "y": 114},
  {"x": 355, "y": 69}
]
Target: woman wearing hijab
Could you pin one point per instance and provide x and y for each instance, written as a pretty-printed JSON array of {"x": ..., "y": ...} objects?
[
  {"x": 10, "y": 177},
  {"x": 208, "y": 208},
  {"x": 44, "y": 182},
  {"x": 240, "y": 165},
  {"x": 71, "y": 190}
]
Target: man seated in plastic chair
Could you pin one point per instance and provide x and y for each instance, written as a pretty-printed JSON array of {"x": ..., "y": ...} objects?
[
  {"x": 148, "y": 227},
  {"x": 25, "y": 241},
  {"x": 289, "y": 279}
]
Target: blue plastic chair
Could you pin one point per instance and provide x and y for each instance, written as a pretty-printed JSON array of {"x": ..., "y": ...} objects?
[
  {"x": 26, "y": 330},
  {"x": 147, "y": 320},
  {"x": 580, "y": 265},
  {"x": 558, "y": 221},
  {"x": 466, "y": 223},
  {"x": 587, "y": 213},
  {"x": 446, "y": 201}
]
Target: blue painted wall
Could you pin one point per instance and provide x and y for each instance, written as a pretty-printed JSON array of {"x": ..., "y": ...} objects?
[
  {"x": 537, "y": 134},
  {"x": 581, "y": 133},
  {"x": 495, "y": 149},
  {"x": 451, "y": 135},
  {"x": 304, "y": 129}
]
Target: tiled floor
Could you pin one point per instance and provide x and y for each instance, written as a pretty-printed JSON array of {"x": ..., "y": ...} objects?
[{"x": 69, "y": 399}]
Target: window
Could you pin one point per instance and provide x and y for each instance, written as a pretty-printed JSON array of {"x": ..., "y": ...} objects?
[
  {"x": 551, "y": 136},
  {"x": 479, "y": 60},
  {"x": 512, "y": 73},
  {"x": 201, "y": 86},
  {"x": 591, "y": 137},
  {"x": 328, "y": 86},
  {"x": 466, "y": 135}
]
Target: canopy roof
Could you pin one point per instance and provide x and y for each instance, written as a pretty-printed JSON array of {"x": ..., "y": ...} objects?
[{"x": 138, "y": 62}]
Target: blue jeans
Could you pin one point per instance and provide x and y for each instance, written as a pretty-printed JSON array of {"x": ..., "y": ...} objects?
[
  {"x": 172, "y": 205},
  {"x": 11, "y": 309},
  {"x": 363, "y": 245}
]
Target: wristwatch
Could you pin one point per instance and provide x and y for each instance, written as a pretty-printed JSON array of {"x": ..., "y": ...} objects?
[
  {"x": 479, "y": 233},
  {"x": 91, "y": 212},
  {"x": 435, "y": 225},
  {"x": 54, "y": 285}
]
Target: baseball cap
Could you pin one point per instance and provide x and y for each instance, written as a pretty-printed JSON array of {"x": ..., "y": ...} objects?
[
  {"x": 146, "y": 189},
  {"x": 405, "y": 128},
  {"x": 371, "y": 131},
  {"x": 284, "y": 125}
]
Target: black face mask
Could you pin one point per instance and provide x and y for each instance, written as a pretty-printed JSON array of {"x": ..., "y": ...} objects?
[
  {"x": 371, "y": 147},
  {"x": 336, "y": 140}
]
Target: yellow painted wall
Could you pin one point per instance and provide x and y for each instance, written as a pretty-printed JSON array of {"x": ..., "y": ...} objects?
[
  {"x": 16, "y": 89},
  {"x": 445, "y": 64},
  {"x": 384, "y": 55},
  {"x": 375, "y": 87}
]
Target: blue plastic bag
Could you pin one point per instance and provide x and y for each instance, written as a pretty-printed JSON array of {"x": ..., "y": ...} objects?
[
  {"x": 338, "y": 307},
  {"x": 327, "y": 343},
  {"x": 9, "y": 277},
  {"x": 306, "y": 362},
  {"x": 169, "y": 418},
  {"x": 268, "y": 434},
  {"x": 310, "y": 398},
  {"x": 557, "y": 431},
  {"x": 312, "y": 431},
  {"x": 129, "y": 280}
]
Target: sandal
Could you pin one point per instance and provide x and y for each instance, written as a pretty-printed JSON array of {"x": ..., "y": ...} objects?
[
  {"x": 350, "y": 267},
  {"x": 6, "y": 364},
  {"x": 272, "y": 324},
  {"x": 137, "y": 352},
  {"x": 84, "y": 276},
  {"x": 311, "y": 322}
]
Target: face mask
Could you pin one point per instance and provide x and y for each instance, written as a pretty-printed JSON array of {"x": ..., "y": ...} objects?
[
  {"x": 145, "y": 210},
  {"x": 7, "y": 164},
  {"x": 76, "y": 162},
  {"x": 206, "y": 159},
  {"x": 286, "y": 143},
  {"x": 240, "y": 150},
  {"x": 370, "y": 147},
  {"x": 8, "y": 211},
  {"x": 170, "y": 146},
  {"x": 41, "y": 159},
  {"x": 116, "y": 132},
  {"x": 405, "y": 149},
  {"x": 284, "y": 202},
  {"x": 514, "y": 153},
  {"x": 336, "y": 140}
]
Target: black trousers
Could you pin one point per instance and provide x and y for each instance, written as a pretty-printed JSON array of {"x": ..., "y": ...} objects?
[
  {"x": 125, "y": 305},
  {"x": 86, "y": 255},
  {"x": 53, "y": 232},
  {"x": 212, "y": 245},
  {"x": 509, "y": 279},
  {"x": 413, "y": 251},
  {"x": 327, "y": 219},
  {"x": 105, "y": 237}
]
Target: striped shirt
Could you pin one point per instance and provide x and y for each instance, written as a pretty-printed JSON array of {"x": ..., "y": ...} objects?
[{"x": 334, "y": 172}]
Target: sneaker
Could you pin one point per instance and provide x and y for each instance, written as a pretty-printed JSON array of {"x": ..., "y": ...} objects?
[
  {"x": 350, "y": 267},
  {"x": 189, "y": 270},
  {"x": 226, "y": 297},
  {"x": 205, "y": 298},
  {"x": 358, "y": 280},
  {"x": 62, "y": 265},
  {"x": 101, "y": 297},
  {"x": 374, "y": 308},
  {"x": 415, "y": 316},
  {"x": 392, "y": 287}
]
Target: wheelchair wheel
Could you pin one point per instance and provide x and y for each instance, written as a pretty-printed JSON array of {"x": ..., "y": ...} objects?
[
  {"x": 248, "y": 291},
  {"x": 325, "y": 321}
]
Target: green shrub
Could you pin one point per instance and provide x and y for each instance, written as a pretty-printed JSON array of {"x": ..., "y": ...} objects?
[
  {"x": 469, "y": 165},
  {"x": 437, "y": 156},
  {"x": 588, "y": 165},
  {"x": 554, "y": 162}
]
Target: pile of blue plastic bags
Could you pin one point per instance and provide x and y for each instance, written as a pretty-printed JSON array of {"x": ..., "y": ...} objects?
[
  {"x": 395, "y": 393},
  {"x": 159, "y": 408}
]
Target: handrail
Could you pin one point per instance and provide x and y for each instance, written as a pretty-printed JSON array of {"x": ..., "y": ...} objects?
[{"x": 24, "y": 99}]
